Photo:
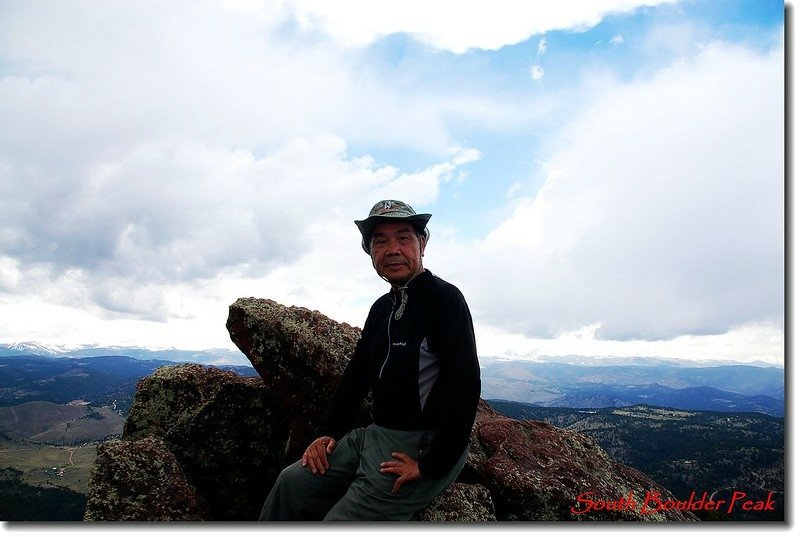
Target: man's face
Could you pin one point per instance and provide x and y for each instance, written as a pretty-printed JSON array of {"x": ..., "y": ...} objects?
[{"x": 396, "y": 252}]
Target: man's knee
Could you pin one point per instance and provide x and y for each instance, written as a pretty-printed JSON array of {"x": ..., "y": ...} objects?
[
  {"x": 286, "y": 494},
  {"x": 300, "y": 495},
  {"x": 292, "y": 473}
]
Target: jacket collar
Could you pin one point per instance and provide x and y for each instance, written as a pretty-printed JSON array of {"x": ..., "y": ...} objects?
[{"x": 414, "y": 282}]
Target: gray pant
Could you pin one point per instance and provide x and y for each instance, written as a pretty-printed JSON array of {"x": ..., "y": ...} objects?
[{"x": 353, "y": 488}]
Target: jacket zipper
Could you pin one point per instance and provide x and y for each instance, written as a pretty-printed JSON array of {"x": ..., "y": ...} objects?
[{"x": 389, "y": 336}]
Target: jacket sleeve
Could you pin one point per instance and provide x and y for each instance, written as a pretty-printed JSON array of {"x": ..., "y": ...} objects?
[
  {"x": 351, "y": 390},
  {"x": 459, "y": 386}
]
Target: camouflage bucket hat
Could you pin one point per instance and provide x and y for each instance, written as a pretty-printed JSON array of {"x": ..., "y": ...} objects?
[{"x": 391, "y": 211}]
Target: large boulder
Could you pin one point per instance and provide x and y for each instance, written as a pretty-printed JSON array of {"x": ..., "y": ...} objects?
[
  {"x": 300, "y": 354},
  {"x": 140, "y": 481},
  {"x": 230, "y": 436},
  {"x": 539, "y": 472},
  {"x": 226, "y": 431}
]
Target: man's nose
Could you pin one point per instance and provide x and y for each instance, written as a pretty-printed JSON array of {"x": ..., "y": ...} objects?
[{"x": 393, "y": 246}]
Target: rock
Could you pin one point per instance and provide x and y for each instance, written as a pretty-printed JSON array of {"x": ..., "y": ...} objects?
[
  {"x": 537, "y": 472},
  {"x": 474, "y": 468},
  {"x": 300, "y": 354},
  {"x": 460, "y": 502},
  {"x": 226, "y": 431},
  {"x": 140, "y": 480}
]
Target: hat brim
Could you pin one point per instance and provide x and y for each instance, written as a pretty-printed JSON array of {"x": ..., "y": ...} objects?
[{"x": 367, "y": 226}]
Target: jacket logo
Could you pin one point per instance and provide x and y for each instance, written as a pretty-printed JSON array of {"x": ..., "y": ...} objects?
[{"x": 399, "y": 344}]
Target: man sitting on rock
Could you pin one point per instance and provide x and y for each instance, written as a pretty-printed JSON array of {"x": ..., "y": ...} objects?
[{"x": 417, "y": 354}]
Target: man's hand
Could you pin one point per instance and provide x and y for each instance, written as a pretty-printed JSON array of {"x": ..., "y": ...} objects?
[
  {"x": 406, "y": 467},
  {"x": 315, "y": 457}
]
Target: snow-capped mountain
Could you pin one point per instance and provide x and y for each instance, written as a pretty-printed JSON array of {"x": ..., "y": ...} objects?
[{"x": 207, "y": 356}]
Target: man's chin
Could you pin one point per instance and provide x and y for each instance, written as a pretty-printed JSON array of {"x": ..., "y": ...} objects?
[
  {"x": 396, "y": 276},
  {"x": 394, "y": 280},
  {"x": 399, "y": 277}
]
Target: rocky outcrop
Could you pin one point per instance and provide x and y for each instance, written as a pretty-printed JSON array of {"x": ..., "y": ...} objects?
[
  {"x": 141, "y": 480},
  {"x": 538, "y": 472},
  {"x": 226, "y": 432},
  {"x": 300, "y": 354},
  {"x": 229, "y": 437},
  {"x": 460, "y": 502}
]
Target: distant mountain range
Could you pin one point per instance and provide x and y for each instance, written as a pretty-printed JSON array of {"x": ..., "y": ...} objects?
[
  {"x": 729, "y": 388},
  {"x": 207, "y": 357},
  {"x": 694, "y": 398},
  {"x": 99, "y": 380},
  {"x": 574, "y": 382}
]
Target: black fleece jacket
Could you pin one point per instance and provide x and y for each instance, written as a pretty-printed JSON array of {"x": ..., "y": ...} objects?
[{"x": 418, "y": 356}]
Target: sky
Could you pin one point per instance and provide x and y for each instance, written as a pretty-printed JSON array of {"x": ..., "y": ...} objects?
[{"x": 606, "y": 177}]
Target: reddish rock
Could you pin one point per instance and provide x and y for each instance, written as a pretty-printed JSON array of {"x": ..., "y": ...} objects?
[
  {"x": 538, "y": 472},
  {"x": 140, "y": 480},
  {"x": 300, "y": 354}
]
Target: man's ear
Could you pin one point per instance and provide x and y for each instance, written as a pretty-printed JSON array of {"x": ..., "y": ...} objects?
[{"x": 422, "y": 243}]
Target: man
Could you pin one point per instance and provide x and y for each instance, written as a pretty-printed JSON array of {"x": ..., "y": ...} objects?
[{"x": 417, "y": 354}]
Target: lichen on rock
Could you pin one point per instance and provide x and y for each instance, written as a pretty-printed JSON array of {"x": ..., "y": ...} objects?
[
  {"x": 536, "y": 471},
  {"x": 460, "y": 502},
  {"x": 300, "y": 354},
  {"x": 140, "y": 480},
  {"x": 227, "y": 431}
]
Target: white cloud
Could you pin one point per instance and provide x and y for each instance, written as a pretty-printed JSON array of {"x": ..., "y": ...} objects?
[
  {"x": 465, "y": 155},
  {"x": 455, "y": 26},
  {"x": 617, "y": 39},
  {"x": 661, "y": 214},
  {"x": 206, "y": 72},
  {"x": 755, "y": 342},
  {"x": 168, "y": 214},
  {"x": 676, "y": 39},
  {"x": 537, "y": 72},
  {"x": 173, "y": 142},
  {"x": 177, "y": 156}
]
